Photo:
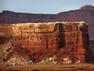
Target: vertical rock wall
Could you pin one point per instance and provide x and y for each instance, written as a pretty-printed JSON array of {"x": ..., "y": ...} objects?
[{"x": 65, "y": 40}]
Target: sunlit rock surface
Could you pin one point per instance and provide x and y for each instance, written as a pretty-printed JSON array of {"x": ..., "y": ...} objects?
[{"x": 40, "y": 43}]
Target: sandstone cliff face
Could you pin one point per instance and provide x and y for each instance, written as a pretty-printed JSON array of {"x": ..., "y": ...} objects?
[{"x": 44, "y": 41}]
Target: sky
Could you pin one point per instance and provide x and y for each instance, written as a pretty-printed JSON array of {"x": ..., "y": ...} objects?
[{"x": 43, "y": 6}]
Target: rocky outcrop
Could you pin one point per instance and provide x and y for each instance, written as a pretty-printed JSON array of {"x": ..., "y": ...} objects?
[{"x": 52, "y": 42}]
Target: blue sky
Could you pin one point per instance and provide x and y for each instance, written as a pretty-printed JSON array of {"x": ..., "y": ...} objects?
[{"x": 43, "y": 6}]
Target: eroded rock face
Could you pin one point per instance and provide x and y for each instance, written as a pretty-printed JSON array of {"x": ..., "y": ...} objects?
[{"x": 51, "y": 42}]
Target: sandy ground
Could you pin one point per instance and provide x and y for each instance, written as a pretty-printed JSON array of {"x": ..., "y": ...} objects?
[{"x": 68, "y": 67}]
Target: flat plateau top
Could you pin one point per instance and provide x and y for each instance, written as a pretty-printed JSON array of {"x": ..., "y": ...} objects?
[{"x": 65, "y": 67}]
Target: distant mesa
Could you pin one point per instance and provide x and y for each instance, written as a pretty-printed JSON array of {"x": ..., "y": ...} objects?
[
  {"x": 87, "y": 7},
  {"x": 7, "y": 11}
]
